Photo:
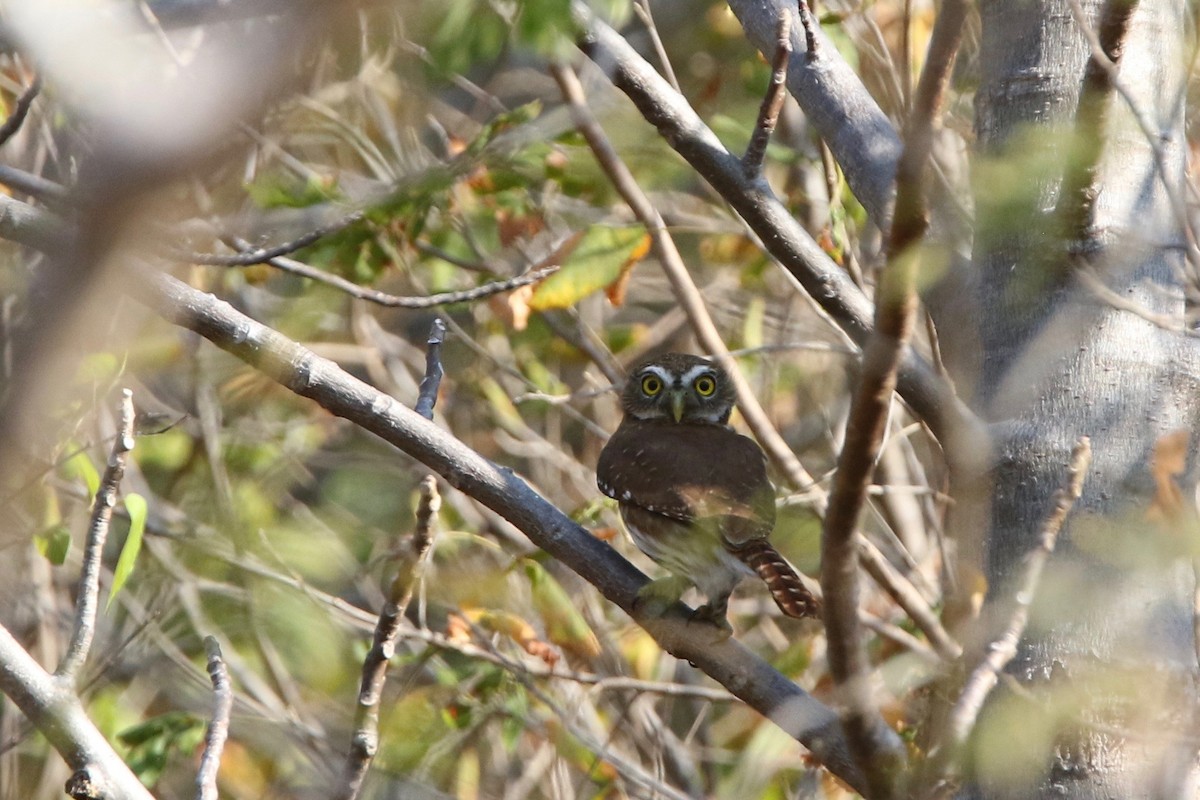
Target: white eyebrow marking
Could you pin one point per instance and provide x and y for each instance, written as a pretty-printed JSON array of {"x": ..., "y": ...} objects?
[
  {"x": 665, "y": 376},
  {"x": 696, "y": 372}
]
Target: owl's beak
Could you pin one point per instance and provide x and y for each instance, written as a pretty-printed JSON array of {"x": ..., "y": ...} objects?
[{"x": 677, "y": 401}]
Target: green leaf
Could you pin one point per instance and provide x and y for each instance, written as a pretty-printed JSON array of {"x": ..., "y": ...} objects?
[
  {"x": 152, "y": 743},
  {"x": 601, "y": 259},
  {"x": 135, "y": 504},
  {"x": 54, "y": 543},
  {"x": 80, "y": 467}
]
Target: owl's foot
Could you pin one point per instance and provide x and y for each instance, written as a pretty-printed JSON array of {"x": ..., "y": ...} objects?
[
  {"x": 658, "y": 595},
  {"x": 715, "y": 614}
]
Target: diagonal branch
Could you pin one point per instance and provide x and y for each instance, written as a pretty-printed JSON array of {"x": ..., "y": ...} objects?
[{"x": 746, "y": 675}]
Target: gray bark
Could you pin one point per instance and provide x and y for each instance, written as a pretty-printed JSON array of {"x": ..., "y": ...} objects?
[{"x": 1110, "y": 658}]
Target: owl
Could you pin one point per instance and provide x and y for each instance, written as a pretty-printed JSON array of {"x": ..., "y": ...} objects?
[{"x": 693, "y": 493}]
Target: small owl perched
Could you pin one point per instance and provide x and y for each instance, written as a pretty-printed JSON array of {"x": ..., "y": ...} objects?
[{"x": 692, "y": 492}]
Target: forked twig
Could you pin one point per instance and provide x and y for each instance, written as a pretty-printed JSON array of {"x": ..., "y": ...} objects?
[{"x": 1001, "y": 650}]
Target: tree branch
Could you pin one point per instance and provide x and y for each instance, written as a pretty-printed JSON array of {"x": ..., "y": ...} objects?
[
  {"x": 21, "y": 110},
  {"x": 87, "y": 601},
  {"x": 746, "y": 675},
  {"x": 875, "y": 746}
]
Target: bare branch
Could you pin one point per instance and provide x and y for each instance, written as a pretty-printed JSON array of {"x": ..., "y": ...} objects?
[
  {"x": 768, "y": 112},
  {"x": 87, "y": 601},
  {"x": 1000, "y": 651},
  {"x": 251, "y": 255},
  {"x": 396, "y": 301},
  {"x": 834, "y": 100},
  {"x": 428, "y": 391},
  {"x": 742, "y": 672},
  {"x": 876, "y": 747},
  {"x": 218, "y": 727}
]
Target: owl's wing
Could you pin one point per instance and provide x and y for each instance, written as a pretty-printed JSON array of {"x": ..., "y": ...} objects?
[{"x": 698, "y": 474}]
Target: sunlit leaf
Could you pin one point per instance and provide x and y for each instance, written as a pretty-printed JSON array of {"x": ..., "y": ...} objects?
[
  {"x": 80, "y": 467},
  {"x": 54, "y": 543},
  {"x": 135, "y": 504},
  {"x": 600, "y": 259},
  {"x": 565, "y": 626}
]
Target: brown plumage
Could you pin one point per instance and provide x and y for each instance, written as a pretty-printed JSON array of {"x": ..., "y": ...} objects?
[{"x": 693, "y": 493}]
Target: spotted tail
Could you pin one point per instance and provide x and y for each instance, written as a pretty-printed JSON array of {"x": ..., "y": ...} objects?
[{"x": 789, "y": 592}]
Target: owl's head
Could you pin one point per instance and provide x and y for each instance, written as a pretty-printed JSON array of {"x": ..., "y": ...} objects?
[{"x": 678, "y": 387}]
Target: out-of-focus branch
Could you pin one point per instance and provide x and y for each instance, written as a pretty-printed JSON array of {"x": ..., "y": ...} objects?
[
  {"x": 54, "y": 709},
  {"x": 943, "y": 758},
  {"x": 250, "y": 255},
  {"x": 875, "y": 746},
  {"x": 686, "y": 292},
  {"x": 931, "y": 397},
  {"x": 88, "y": 599},
  {"x": 218, "y": 727},
  {"x": 746, "y": 675}
]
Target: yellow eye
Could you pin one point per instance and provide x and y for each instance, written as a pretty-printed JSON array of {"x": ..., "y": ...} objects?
[
  {"x": 651, "y": 385},
  {"x": 705, "y": 386}
]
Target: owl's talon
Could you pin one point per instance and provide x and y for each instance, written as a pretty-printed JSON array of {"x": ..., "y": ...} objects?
[
  {"x": 715, "y": 618},
  {"x": 658, "y": 595}
]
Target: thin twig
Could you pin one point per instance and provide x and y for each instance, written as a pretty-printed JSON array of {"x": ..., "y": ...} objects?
[
  {"x": 768, "y": 112},
  {"x": 428, "y": 391},
  {"x": 877, "y": 749},
  {"x": 20, "y": 111},
  {"x": 1000, "y": 651},
  {"x": 811, "y": 42},
  {"x": 642, "y": 9},
  {"x": 87, "y": 601},
  {"x": 250, "y": 255},
  {"x": 686, "y": 292},
  {"x": 364, "y": 742},
  {"x": 218, "y": 726},
  {"x": 908, "y": 598},
  {"x": 295, "y": 267}
]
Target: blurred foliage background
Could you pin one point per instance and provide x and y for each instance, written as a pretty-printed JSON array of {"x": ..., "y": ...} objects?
[{"x": 278, "y": 528}]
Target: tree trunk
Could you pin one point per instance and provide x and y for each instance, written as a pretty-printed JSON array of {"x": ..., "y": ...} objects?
[{"x": 1107, "y": 669}]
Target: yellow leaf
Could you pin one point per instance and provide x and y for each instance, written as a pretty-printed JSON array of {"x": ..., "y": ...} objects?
[{"x": 603, "y": 258}]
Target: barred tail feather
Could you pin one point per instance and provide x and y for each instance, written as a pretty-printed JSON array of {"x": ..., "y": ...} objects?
[{"x": 788, "y": 591}]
